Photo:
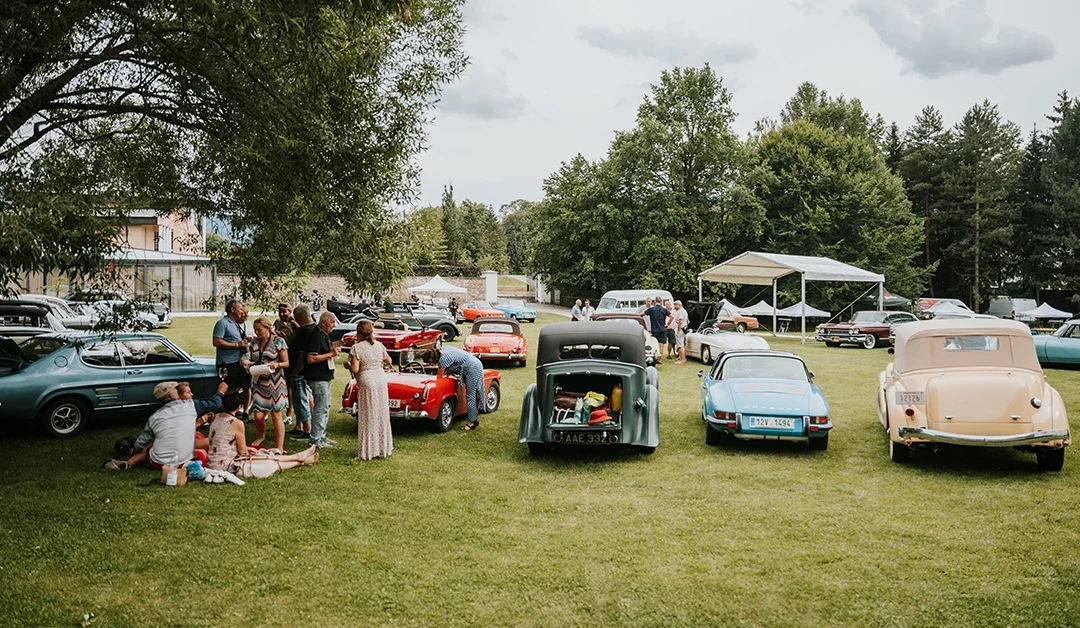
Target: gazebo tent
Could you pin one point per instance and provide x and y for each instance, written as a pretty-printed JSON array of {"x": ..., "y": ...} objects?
[
  {"x": 762, "y": 269},
  {"x": 1046, "y": 312},
  {"x": 438, "y": 284},
  {"x": 890, "y": 300},
  {"x": 797, "y": 310},
  {"x": 761, "y": 308}
]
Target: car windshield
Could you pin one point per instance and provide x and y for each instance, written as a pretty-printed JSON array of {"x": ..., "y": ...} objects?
[
  {"x": 607, "y": 304},
  {"x": 764, "y": 367},
  {"x": 34, "y": 349},
  {"x": 483, "y": 305},
  {"x": 869, "y": 317},
  {"x": 517, "y": 304},
  {"x": 399, "y": 323},
  {"x": 1063, "y": 331}
]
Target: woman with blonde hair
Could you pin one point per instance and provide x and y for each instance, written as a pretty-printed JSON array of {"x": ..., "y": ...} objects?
[
  {"x": 367, "y": 359},
  {"x": 267, "y": 359}
]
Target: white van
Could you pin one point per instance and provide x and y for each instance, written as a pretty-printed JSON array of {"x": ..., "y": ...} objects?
[
  {"x": 628, "y": 301},
  {"x": 1008, "y": 307}
]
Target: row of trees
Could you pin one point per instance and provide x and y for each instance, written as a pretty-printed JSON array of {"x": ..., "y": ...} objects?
[{"x": 967, "y": 211}]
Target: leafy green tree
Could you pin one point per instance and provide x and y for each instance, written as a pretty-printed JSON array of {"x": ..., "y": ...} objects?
[
  {"x": 482, "y": 237},
  {"x": 518, "y": 223},
  {"x": 428, "y": 240},
  {"x": 893, "y": 148},
  {"x": 923, "y": 165},
  {"x": 1042, "y": 244},
  {"x": 836, "y": 114},
  {"x": 296, "y": 123},
  {"x": 1061, "y": 171}
]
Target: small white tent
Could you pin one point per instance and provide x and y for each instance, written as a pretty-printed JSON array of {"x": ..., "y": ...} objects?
[
  {"x": 1045, "y": 312},
  {"x": 438, "y": 284},
  {"x": 944, "y": 307},
  {"x": 795, "y": 311},
  {"x": 761, "y": 308}
]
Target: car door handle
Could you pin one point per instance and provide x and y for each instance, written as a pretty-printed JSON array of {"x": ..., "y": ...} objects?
[{"x": 135, "y": 372}]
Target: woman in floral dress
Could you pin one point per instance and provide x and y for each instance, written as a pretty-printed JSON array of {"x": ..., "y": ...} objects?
[
  {"x": 366, "y": 361},
  {"x": 269, "y": 393}
]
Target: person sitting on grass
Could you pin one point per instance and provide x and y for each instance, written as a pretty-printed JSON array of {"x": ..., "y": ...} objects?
[
  {"x": 229, "y": 450},
  {"x": 171, "y": 428}
]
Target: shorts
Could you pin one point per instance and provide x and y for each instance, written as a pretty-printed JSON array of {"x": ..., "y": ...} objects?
[
  {"x": 671, "y": 336},
  {"x": 680, "y": 339},
  {"x": 200, "y": 455},
  {"x": 661, "y": 336}
]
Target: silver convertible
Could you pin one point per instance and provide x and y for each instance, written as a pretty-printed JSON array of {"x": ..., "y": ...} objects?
[{"x": 708, "y": 342}]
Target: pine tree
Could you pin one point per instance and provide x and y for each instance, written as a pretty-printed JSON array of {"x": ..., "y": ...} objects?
[
  {"x": 893, "y": 148},
  {"x": 1038, "y": 245},
  {"x": 923, "y": 165}
]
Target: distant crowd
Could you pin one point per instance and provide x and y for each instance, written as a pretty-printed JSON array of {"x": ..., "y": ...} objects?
[{"x": 667, "y": 323}]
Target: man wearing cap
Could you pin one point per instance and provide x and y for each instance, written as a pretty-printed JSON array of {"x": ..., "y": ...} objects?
[
  {"x": 171, "y": 428},
  {"x": 680, "y": 320}
]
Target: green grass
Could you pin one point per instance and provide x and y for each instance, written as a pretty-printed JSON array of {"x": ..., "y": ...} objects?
[{"x": 466, "y": 529}]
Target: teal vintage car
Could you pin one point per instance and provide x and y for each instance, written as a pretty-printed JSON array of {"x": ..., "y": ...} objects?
[
  {"x": 516, "y": 308},
  {"x": 1062, "y": 348},
  {"x": 61, "y": 380},
  {"x": 592, "y": 388}
]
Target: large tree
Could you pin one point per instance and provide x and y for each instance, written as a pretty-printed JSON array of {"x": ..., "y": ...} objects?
[
  {"x": 1061, "y": 172},
  {"x": 294, "y": 122},
  {"x": 519, "y": 224},
  {"x": 923, "y": 165}
]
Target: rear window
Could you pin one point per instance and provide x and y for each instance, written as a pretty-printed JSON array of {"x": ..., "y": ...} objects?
[
  {"x": 34, "y": 349},
  {"x": 495, "y": 328},
  {"x": 584, "y": 351},
  {"x": 607, "y": 304},
  {"x": 971, "y": 343}
]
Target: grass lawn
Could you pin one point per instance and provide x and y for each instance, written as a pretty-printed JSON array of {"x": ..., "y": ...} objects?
[{"x": 466, "y": 528}]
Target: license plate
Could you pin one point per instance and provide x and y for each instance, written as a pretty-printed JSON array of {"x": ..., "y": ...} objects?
[
  {"x": 586, "y": 438},
  {"x": 395, "y": 403},
  {"x": 773, "y": 423},
  {"x": 910, "y": 398},
  {"x": 495, "y": 350}
]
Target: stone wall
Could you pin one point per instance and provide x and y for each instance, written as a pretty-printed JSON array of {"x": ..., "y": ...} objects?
[{"x": 330, "y": 285}]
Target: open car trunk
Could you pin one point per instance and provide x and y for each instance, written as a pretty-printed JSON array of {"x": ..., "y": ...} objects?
[
  {"x": 11, "y": 357},
  {"x": 587, "y": 401}
]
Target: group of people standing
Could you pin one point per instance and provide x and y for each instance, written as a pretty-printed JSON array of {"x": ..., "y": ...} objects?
[{"x": 667, "y": 323}]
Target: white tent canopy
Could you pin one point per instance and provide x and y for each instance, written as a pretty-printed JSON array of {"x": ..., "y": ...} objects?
[
  {"x": 944, "y": 307},
  {"x": 761, "y": 308},
  {"x": 438, "y": 284},
  {"x": 762, "y": 269},
  {"x": 1045, "y": 311},
  {"x": 795, "y": 311}
]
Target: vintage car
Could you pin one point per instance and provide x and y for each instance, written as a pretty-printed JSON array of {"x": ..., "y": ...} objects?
[
  {"x": 970, "y": 382},
  {"x": 404, "y": 337},
  {"x": 763, "y": 395},
  {"x": 867, "y": 328},
  {"x": 20, "y": 320},
  {"x": 472, "y": 310},
  {"x": 1061, "y": 348},
  {"x": 71, "y": 316},
  {"x": 120, "y": 307},
  {"x": 63, "y": 379},
  {"x": 516, "y": 308},
  {"x": 732, "y": 320},
  {"x": 430, "y": 318},
  {"x": 652, "y": 347},
  {"x": 416, "y": 392},
  {"x": 708, "y": 342},
  {"x": 604, "y": 363},
  {"x": 497, "y": 339}
]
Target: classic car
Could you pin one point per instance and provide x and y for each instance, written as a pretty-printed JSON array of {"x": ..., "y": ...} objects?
[
  {"x": 430, "y": 318},
  {"x": 1061, "y": 348},
  {"x": 63, "y": 379},
  {"x": 416, "y": 392},
  {"x": 944, "y": 315},
  {"x": 763, "y": 395},
  {"x": 867, "y": 328},
  {"x": 471, "y": 310},
  {"x": 20, "y": 320},
  {"x": 111, "y": 303},
  {"x": 652, "y": 347},
  {"x": 708, "y": 342},
  {"x": 70, "y": 315},
  {"x": 731, "y": 319},
  {"x": 592, "y": 388},
  {"x": 497, "y": 339},
  {"x": 516, "y": 308},
  {"x": 970, "y": 382},
  {"x": 404, "y": 337}
]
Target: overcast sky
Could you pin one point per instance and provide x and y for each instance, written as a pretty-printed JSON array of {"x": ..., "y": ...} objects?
[{"x": 552, "y": 78}]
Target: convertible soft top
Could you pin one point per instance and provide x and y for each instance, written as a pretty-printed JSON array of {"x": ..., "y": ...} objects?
[
  {"x": 926, "y": 344},
  {"x": 496, "y": 325},
  {"x": 625, "y": 335}
]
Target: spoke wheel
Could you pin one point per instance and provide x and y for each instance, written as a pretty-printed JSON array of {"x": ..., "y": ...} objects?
[
  {"x": 64, "y": 417},
  {"x": 445, "y": 419},
  {"x": 741, "y": 328},
  {"x": 491, "y": 400},
  {"x": 706, "y": 354}
]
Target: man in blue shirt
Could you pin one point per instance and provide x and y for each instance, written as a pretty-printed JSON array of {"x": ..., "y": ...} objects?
[
  {"x": 575, "y": 312},
  {"x": 658, "y": 315},
  {"x": 231, "y": 343}
]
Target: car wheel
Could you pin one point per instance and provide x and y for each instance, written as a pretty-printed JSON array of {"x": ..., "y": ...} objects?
[
  {"x": 491, "y": 400},
  {"x": 64, "y": 417},
  {"x": 870, "y": 341},
  {"x": 713, "y": 436},
  {"x": 706, "y": 354},
  {"x": 647, "y": 450},
  {"x": 1051, "y": 460},
  {"x": 445, "y": 418},
  {"x": 537, "y": 449},
  {"x": 820, "y": 443},
  {"x": 449, "y": 333},
  {"x": 899, "y": 452},
  {"x": 741, "y": 328}
]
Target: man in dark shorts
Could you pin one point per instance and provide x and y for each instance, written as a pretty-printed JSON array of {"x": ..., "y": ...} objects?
[
  {"x": 299, "y": 393},
  {"x": 658, "y": 316},
  {"x": 231, "y": 343}
]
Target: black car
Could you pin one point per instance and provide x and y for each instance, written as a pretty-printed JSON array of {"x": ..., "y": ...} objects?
[{"x": 431, "y": 319}]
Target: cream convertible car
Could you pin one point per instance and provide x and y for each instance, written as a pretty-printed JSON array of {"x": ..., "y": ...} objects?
[{"x": 970, "y": 382}]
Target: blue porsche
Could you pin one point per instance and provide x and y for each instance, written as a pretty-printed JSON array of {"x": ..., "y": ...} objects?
[
  {"x": 62, "y": 379},
  {"x": 763, "y": 395},
  {"x": 516, "y": 308}
]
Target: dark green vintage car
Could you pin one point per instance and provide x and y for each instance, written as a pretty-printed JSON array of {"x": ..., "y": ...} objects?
[
  {"x": 592, "y": 388},
  {"x": 62, "y": 379}
]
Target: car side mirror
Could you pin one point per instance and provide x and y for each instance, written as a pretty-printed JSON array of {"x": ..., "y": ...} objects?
[
  {"x": 812, "y": 376},
  {"x": 701, "y": 373},
  {"x": 892, "y": 350}
]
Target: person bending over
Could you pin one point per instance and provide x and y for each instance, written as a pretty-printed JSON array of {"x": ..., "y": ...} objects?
[{"x": 470, "y": 372}]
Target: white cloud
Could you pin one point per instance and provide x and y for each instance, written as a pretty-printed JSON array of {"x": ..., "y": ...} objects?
[
  {"x": 483, "y": 94},
  {"x": 666, "y": 44}
]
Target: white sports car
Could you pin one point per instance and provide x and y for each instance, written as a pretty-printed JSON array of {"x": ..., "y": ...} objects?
[{"x": 708, "y": 342}]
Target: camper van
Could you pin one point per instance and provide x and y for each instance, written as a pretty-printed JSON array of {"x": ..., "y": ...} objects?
[{"x": 628, "y": 301}]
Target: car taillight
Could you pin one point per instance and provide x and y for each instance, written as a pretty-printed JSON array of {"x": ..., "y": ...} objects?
[
  {"x": 424, "y": 394},
  {"x": 819, "y": 420},
  {"x": 724, "y": 416}
]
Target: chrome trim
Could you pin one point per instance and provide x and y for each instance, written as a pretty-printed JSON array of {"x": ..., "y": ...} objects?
[
  {"x": 1030, "y": 438},
  {"x": 745, "y": 436},
  {"x": 508, "y": 356},
  {"x": 409, "y": 414}
]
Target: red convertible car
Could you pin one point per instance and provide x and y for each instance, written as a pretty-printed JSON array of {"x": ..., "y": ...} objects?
[
  {"x": 497, "y": 339},
  {"x": 418, "y": 393},
  {"x": 404, "y": 337},
  {"x": 868, "y": 329},
  {"x": 473, "y": 310}
]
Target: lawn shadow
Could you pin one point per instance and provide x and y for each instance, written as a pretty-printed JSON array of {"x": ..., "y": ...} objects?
[
  {"x": 581, "y": 455},
  {"x": 789, "y": 449},
  {"x": 988, "y": 462}
]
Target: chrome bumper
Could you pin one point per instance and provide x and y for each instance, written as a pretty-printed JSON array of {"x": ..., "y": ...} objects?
[
  {"x": 1015, "y": 440},
  {"x": 409, "y": 414},
  {"x": 499, "y": 356}
]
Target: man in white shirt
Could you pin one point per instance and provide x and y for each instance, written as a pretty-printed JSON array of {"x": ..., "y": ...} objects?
[{"x": 679, "y": 320}]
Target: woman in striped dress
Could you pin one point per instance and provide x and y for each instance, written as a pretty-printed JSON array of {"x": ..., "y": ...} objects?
[
  {"x": 470, "y": 372},
  {"x": 269, "y": 393}
]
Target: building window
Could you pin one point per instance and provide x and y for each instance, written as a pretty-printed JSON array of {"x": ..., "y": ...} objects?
[{"x": 163, "y": 239}]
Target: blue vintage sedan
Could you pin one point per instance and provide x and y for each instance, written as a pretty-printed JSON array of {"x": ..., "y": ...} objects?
[
  {"x": 516, "y": 308},
  {"x": 763, "y": 395},
  {"x": 62, "y": 379},
  {"x": 1062, "y": 348}
]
